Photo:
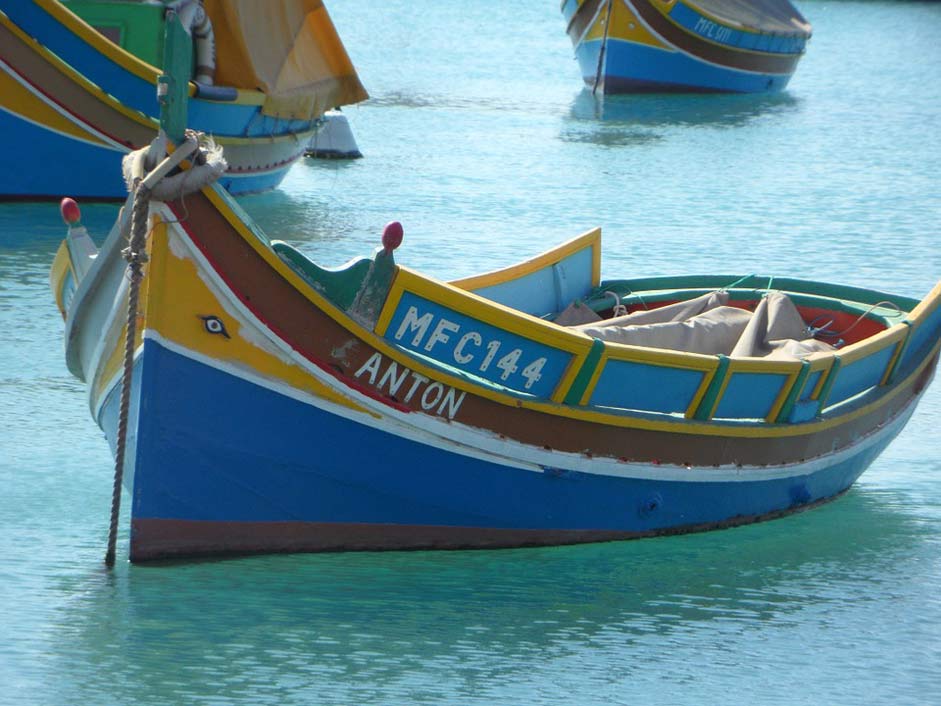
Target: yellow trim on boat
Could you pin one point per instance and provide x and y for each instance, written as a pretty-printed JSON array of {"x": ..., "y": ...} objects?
[
  {"x": 176, "y": 278},
  {"x": 19, "y": 100},
  {"x": 84, "y": 31},
  {"x": 485, "y": 310},
  {"x": 626, "y": 26},
  {"x": 78, "y": 78},
  {"x": 917, "y": 316},
  {"x": 493, "y": 314},
  {"x": 821, "y": 362},
  {"x": 872, "y": 345},
  {"x": 626, "y": 420},
  {"x": 591, "y": 239},
  {"x": 61, "y": 267}
]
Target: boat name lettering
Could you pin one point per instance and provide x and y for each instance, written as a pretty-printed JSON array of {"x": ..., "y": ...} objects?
[
  {"x": 470, "y": 351},
  {"x": 712, "y": 30},
  {"x": 434, "y": 397}
]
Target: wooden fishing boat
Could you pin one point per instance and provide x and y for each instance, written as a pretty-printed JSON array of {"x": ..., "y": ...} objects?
[
  {"x": 627, "y": 46},
  {"x": 276, "y": 405},
  {"x": 78, "y": 88}
]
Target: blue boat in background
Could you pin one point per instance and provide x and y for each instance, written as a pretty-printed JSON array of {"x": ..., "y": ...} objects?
[
  {"x": 79, "y": 85},
  {"x": 633, "y": 46}
]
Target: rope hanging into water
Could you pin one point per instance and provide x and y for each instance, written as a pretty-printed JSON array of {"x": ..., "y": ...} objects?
[
  {"x": 157, "y": 184},
  {"x": 136, "y": 257},
  {"x": 599, "y": 71}
]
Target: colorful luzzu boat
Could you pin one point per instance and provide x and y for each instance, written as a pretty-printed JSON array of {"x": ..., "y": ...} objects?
[
  {"x": 276, "y": 405},
  {"x": 627, "y": 46},
  {"x": 78, "y": 88}
]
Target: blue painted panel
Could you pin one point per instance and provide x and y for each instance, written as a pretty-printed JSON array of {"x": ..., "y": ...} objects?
[
  {"x": 465, "y": 343},
  {"x": 650, "y": 388},
  {"x": 750, "y": 395},
  {"x": 688, "y": 18},
  {"x": 546, "y": 291},
  {"x": 213, "y": 447},
  {"x": 860, "y": 375},
  {"x": 925, "y": 336}
]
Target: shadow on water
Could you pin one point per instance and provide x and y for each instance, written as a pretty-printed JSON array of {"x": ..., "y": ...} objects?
[
  {"x": 614, "y": 121},
  {"x": 370, "y": 619}
]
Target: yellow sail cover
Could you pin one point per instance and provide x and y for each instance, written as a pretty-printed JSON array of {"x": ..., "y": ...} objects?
[{"x": 288, "y": 49}]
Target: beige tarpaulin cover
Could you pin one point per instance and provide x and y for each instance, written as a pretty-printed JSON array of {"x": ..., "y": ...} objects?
[
  {"x": 289, "y": 49},
  {"x": 707, "y": 325}
]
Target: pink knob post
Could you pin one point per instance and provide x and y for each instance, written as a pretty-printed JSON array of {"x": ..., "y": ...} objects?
[
  {"x": 70, "y": 211},
  {"x": 392, "y": 236}
]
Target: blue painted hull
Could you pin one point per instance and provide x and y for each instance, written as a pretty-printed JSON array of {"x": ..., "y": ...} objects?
[
  {"x": 216, "y": 118},
  {"x": 214, "y": 451},
  {"x": 68, "y": 140},
  {"x": 50, "y": 160},
  {"x": 631, "y": 67},
  {"x": 57, "y": 165}
]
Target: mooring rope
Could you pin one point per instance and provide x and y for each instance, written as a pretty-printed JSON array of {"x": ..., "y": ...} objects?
[
  {"x": 136, "y": 256},
  {"x": 157, "y": 185}
]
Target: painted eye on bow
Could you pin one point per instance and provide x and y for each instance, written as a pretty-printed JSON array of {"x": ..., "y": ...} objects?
[{"x": 213, "y": 324}]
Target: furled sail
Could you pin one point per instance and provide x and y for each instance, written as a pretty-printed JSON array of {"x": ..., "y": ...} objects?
[{"x": 288, "y": 49}]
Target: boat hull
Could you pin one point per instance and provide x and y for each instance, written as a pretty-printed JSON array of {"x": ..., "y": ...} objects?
[
  {"x": 636, "y": 46},
  {"x": 230, "y": 464},
  {"x": 638, "y": 68},
  {"x": 70, "y": 110},
  {"x": 79, "y": 163},
  {"x": 266, "y": 418}
]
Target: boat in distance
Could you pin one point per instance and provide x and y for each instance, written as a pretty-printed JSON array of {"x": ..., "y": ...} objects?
[
  {"x": 633, "y": 46},
  {"x": 79, "y": 87}
]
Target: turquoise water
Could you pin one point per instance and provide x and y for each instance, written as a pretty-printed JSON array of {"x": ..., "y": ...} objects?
[{"x": 478, "y": 138}]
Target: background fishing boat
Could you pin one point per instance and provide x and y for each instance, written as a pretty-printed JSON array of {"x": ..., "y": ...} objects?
[
  {"x": 78, "y": 87},
  {"x": 627, "y": 46},
  {"x": 372, "y": 407}
]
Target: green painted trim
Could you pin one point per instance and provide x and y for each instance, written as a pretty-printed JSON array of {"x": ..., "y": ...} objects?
[
  {"x": 585, "y": 374},
  {"x": 339, "y": 286},
  {"x": 794, "y": 392},
  {"x": 903, "y": 348},
  {"x": 650, "y": 287},
  {"x": 828, "y": 383},
  {"x": 173, "y": 85},
  {"x": 138, "y": 28},
  {"x": 710, "y": 400}
]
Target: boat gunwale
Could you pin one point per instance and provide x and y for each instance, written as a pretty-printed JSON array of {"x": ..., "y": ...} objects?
[
  {"x": 866, "y": 403},
  {"x": 703, "y": 49},
  {"x": 125, "y": 59}
]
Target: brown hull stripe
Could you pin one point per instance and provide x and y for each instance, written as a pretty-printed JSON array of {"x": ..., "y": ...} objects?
[
  {"x": 318, "y": 337},
  {"x": 717, "y": 54},
  {"x": 154, "y": 540},
  {"x": 70, "y": 96},
  {"x": 582, "y": 18}
]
